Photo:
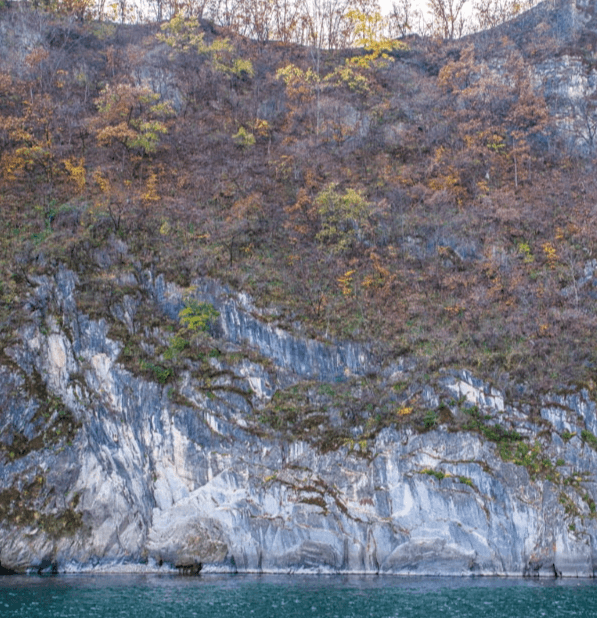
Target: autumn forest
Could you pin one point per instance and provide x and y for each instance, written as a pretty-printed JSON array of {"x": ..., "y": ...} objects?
[{"x": 404, "y": 179}]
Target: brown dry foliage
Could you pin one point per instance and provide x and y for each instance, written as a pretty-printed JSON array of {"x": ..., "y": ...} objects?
[{"x": 477, "y": 242}]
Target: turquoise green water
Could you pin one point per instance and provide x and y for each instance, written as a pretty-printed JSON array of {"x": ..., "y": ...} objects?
[{"x": 238, "y": 596}]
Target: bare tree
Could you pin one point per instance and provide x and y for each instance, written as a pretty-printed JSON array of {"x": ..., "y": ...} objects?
[
  {"x": 490, "y": 13},
  {"x": 228, "y": 13},
  {"x": 447, "y": 18},
  {"x": 285, "y": 16},
  {"x": 403, "y": 18},
  {"x": 320, "y": 19}
]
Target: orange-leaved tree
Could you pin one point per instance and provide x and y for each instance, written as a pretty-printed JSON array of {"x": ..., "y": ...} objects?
[
  {"x": 131, "y": 118},
  {"x": 498, "y": 114}
]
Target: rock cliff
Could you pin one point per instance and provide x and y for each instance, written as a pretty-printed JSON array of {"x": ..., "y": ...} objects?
[
  {"x": 131, "y": 439},
  {"x": 559, "y": 41},
  {"x": 103, "y": 468}
]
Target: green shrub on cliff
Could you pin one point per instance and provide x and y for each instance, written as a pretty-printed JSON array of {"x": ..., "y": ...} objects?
[{"x": 197, "y": 316}]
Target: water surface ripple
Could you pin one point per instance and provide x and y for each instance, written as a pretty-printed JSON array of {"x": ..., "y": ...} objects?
[{"x": 237, "y": 596}]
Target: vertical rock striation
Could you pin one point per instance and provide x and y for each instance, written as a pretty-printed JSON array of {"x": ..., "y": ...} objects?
[{"x": 104, "y": 469}]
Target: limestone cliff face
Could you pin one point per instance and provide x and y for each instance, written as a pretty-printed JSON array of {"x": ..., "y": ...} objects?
[
  {"x": 559, "y": 41},
  {"x": 104, "y": 469},
  {"x": 568, "y": 78}
]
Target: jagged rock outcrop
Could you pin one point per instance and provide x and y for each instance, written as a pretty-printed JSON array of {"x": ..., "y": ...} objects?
[
  {"x": 104, "y": 469},
  {"x": 559, "y": 41},
  {"x": 129, "y": 442}
]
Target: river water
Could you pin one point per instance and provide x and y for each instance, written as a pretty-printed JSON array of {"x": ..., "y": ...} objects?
[{"x": 292, "y": 596}]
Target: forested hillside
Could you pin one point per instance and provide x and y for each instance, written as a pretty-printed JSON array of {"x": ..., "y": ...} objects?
[
  {"x": 434, "y": 197},
  {"x": 310, "y": 297}
]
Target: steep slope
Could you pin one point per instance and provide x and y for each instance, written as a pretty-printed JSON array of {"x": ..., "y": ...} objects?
[
  {"x": 254, "y": 320},
  {"x": 107, "y": 470}
]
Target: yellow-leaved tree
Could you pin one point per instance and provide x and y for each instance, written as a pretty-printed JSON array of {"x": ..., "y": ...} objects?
[
  {"x": 369, "y": 34},
  {"x": 184, "y": 35},
  {"x": 305, "y": 87},
  {"x": 344, "y": 218},
  {"x": 132, "y": 118}
]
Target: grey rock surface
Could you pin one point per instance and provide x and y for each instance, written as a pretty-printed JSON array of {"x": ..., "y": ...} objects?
[{"x": 138, "y": 479}]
